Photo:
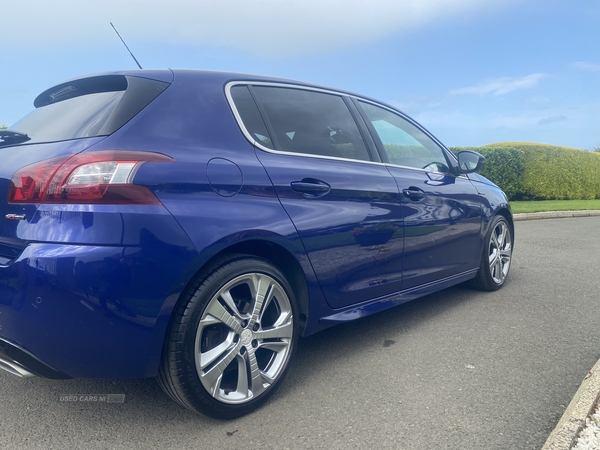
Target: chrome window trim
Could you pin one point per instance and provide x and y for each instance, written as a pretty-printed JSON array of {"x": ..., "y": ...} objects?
[
  {"x": 257, "y": 144},
  {"x": 462, "y": 175}
]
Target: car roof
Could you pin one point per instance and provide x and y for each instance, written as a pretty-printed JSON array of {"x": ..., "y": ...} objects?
[
  {"x": 224, "y": 77},
  {"x": 168, "y": 75}
]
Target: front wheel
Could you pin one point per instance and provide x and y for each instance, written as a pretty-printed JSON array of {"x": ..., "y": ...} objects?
[
  {"x": 496, "y": 257},
  {"x": 231, "y": 339}
]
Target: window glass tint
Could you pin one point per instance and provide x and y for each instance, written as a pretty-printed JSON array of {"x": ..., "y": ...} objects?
[
  {"x": 89, "y": 107},
  {"x": 404, "y": 143},
  {"x": 250, "y": 115},
  {"x": 79, "y": 117},
  {"x": 311, "y": 122}
]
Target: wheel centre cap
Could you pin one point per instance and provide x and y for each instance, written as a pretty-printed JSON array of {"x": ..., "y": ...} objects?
[{"x": 246, "y": 337}]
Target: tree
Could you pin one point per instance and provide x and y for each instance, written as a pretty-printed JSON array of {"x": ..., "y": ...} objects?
[{"x": 3, "y": 127}]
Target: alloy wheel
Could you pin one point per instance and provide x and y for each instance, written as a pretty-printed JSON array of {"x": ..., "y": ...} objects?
[{"x": 244, "y": 338}]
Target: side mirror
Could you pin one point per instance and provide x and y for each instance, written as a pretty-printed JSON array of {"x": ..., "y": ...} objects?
[{"x": 469, "y": 161}]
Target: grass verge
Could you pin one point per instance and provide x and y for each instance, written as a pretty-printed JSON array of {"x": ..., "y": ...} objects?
[{"x": 554, "y": 205}]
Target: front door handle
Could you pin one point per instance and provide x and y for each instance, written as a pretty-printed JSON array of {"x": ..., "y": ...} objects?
[
  {"x": 311, "y": 187},
  {"x": 414, "y": 193}
]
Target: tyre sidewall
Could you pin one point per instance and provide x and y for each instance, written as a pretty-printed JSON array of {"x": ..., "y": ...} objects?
[
  {"x": 484, "y": 279},
  {"x": 196, "y": 396}
]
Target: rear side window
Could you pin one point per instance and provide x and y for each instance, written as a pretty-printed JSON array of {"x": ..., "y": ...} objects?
[
  {"x": 89, "y": 107},
  {"x": 250, "y": 115},
  {"x": 303, "y": 121}
]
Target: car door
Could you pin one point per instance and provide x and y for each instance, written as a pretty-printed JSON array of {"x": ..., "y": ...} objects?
[
  {"x": 442, "y": 211},
  {"x": 341, "y": 198}
]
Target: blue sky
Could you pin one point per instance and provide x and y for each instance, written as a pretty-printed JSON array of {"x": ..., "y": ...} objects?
[{"x": 473, "y": 72}]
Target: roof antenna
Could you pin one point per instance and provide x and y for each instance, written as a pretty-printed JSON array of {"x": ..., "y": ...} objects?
[{"x": 136, "y": 61}]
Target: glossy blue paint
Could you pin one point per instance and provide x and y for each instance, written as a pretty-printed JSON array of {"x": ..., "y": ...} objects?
[
  {"x": 352, "y": 234},
  {"x": 90, "y": 289},
  {"x": 389, "y": 301},
  {"x": 225, "y": 177},
  {"x": 92, "y": 311},
  {"x": 442, "y": 228}
]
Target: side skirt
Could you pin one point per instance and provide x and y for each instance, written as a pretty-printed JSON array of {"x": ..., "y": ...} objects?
[{"x": 389, "y": 301}]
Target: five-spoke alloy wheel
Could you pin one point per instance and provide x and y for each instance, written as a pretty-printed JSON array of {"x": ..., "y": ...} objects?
[{"x": 231, "y": 340}]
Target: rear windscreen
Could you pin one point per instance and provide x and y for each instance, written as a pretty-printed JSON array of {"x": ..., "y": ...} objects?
[{"x": 89, "y": 107}]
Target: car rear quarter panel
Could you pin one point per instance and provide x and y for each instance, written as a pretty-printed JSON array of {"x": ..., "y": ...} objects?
[
  {"x": 216, "y": 188},
  {"x": 93, "y": 293}
]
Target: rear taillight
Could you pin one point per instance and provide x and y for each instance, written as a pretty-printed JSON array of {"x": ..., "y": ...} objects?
[{"x": 96, "y": 177}]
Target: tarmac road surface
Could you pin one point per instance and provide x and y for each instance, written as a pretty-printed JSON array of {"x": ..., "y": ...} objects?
[{"x": 460, "y": 369}]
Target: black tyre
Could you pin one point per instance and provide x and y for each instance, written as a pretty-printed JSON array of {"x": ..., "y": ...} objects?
[
  {"x": 496, "y": 256},
  {"x": 231, "y": 338}
]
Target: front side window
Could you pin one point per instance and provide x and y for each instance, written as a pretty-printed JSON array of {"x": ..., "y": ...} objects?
[
  {"x": 311, "y": 122},
  {"x": 404, "y": 143}
]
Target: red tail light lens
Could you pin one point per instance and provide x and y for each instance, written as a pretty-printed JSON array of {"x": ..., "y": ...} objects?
[{"x": 103, "y": 177}]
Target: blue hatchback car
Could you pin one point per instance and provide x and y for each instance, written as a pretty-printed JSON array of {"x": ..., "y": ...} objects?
[{"x": 192, "y": 225}]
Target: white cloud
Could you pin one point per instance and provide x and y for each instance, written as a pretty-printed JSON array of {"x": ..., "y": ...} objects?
[
  {"x": 415, "y": 104},
  {"x": 515, "y": 119},
  {"x": 266, "y": 28},
  {"x": 552, "y": 119},
  {"x": 455, "y": 127},
  {"x": 588, "y": 66},
  {"x": 501, "y": 86}
]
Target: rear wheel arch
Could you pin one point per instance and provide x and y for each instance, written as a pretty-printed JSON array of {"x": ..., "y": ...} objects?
[
  {"x": 285, "y": 262},
  {"x": 274, "y": 253}
]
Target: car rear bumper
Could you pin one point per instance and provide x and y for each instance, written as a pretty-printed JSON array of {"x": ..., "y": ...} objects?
[
  {"x": 88, "y": 311},
  {"x": 20, "y": 362}
]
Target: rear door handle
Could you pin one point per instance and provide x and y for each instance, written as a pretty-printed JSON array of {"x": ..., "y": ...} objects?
[
  {"x": 414, "y": 193},
  {"x": 311, "y": 187}
]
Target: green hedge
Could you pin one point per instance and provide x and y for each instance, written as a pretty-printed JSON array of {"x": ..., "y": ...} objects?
[
  {"x": 504, "y": 166},
  {"x": 528, "y": 171}
]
